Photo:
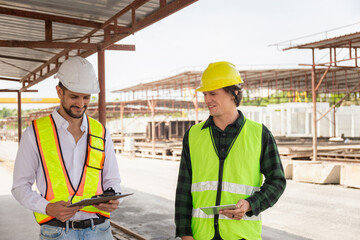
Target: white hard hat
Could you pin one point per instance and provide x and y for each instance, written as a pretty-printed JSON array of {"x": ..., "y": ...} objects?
[{"x": 78, "y": 75}]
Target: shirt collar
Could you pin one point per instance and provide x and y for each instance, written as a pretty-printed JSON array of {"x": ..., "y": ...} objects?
[
  {"x": 238, "y": 122},
  {"x": 63, "y": 123}
]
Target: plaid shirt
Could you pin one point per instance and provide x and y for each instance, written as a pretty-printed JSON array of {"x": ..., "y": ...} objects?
[{"x": 270, "y": 167}]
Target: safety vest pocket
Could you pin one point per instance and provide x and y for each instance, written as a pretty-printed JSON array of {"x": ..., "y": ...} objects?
[
  {"x": 96, "y": 142},
  {"x": 95, "y": 158}
]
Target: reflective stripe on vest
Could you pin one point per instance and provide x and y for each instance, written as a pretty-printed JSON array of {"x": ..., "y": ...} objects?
[
  {"x": 198, "y": 213},
  {"x": 58, "y": 185},
  {"x": 226, "y": 186},
  {"x": 241, "y": 178}
]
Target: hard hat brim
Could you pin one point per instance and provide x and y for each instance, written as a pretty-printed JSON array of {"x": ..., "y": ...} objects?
[
  {"x": 77, "y": 90},
  {"x": 208, "y": 89}
]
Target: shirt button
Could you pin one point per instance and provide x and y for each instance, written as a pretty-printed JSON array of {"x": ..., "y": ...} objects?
[
  {"x": 222, "y": 149},
  {"x": 223, "y": 134}
]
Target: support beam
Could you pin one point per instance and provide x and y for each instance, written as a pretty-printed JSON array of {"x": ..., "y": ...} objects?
[
  {"x": 152, "y": 105},
  {"x": 194, "y": 99},
  {"x": 122, "y": 108},
  {"x": 19, "y": 116},
  {"x": 322, "y": 78},
  {"x": 356, "y": 57},
  {"x": 10, "y": 90},
  {"x": 48, "y": 31},
  {"x": 10, "y": 79},
  {"x": 340, "y": 101},
  {"x": 49, "y": 17},
  {"x": 45, "y": 44},
  {"x": 314, "y": 127},
  {"x": 121, "y": 47},
  {"x": 23, "y": 59},
  {"x": 70, "y": 45},
  {"x": 102, "y": 98}
]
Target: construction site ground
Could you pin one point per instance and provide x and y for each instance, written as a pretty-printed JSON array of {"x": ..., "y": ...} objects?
[{"x": 305, "y": 211}]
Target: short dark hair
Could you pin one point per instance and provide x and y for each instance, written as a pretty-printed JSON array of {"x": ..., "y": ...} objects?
[
  {"x": 62, "y": 87},
  {"x": 231, "y": 90}
]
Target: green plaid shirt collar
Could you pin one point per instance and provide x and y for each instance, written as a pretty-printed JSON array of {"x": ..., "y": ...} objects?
[{"x": 238, "y": 123}]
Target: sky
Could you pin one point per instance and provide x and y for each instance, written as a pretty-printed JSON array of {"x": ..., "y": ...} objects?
[{"x": 239, "y": 31}]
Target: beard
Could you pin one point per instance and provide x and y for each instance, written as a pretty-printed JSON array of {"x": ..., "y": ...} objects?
[{"x": 74, "y": 115}]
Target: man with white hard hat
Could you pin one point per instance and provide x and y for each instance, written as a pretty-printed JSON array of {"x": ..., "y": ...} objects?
[
  {"x": 71, "y": 157},
  {"x": 223, "y": 162}
]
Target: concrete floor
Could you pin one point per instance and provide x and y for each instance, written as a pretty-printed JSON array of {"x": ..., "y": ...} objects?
[
  {"x": 305, "y": 211},
  {"x": 17, "y": 223}
]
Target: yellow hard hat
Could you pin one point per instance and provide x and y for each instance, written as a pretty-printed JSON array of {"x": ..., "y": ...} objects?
[{"x": 218, "y": 75}]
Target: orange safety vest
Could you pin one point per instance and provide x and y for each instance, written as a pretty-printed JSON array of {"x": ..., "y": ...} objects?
[{"x": 58, "y": 184}]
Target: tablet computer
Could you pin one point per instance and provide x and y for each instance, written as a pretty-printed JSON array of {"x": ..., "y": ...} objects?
[
  {"x": 97, "y": 200},
  {"x": 216, "y": 209}
]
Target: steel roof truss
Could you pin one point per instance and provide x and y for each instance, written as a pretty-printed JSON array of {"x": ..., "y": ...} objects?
[{"x": 116, "y": 34}]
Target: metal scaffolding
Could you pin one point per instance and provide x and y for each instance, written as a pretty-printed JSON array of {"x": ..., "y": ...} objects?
[{"x": 344, "y": 70}]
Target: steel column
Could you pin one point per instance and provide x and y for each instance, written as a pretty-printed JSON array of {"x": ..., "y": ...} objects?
[
  {"x": 334, "y": 130},
  {"x": 19, "y": 116},
  {"x": 101, "y": 76},
  {"x": 122, "y": 107},
  {"x": 152, "y": 105},
  {"x": 314, "y": 128}
]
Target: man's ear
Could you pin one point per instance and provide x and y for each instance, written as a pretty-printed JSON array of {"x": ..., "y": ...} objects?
[
  {"x": 59, "y": 91},
  {"x": 234, "y": 92}
]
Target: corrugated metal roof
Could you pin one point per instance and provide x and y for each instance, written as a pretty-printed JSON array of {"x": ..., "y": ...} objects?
[{"x": 29, "y": 23}]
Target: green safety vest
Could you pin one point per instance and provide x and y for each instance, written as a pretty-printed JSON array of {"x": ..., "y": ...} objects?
[
  {"x": 58, "y": 184},
  {"x": 241, "y": 177}
]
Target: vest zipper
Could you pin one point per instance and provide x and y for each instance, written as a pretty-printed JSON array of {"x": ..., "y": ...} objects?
[
  {"x": 218, "y": 199},
  {"x": 220, "y": 177},
  {"x": 219, "y": 188}
]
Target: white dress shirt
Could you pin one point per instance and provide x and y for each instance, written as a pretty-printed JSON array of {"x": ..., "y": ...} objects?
[{"x": 28, "y": 166}]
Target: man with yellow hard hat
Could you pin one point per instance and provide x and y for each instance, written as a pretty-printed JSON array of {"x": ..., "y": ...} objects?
[{"x": 223, "y": 162}]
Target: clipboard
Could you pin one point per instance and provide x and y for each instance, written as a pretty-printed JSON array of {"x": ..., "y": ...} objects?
[
  {"x": 215, "y": 209},
  {"x": 98, "y": 199}
]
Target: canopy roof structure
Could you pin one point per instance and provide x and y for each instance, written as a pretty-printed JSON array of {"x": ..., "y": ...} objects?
[
  {"x": 349, "y": 80},
  {"x": 187, "y": 79},
  {"x": 345, "y": 41},
  {"x": 37, "y": 36},
  {"x": 337, "y": 80}
]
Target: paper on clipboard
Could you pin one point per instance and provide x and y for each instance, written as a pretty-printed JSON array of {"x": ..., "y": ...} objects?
[
  {"x": 215, "y": 209},
  {"x": 91, "y": 201}
]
